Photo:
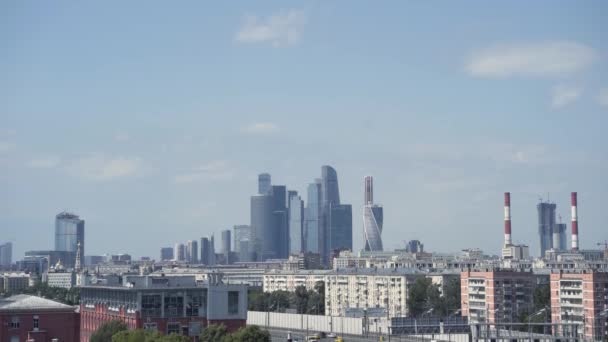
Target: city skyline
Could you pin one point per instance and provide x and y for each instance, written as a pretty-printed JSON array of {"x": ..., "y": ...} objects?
[{"x": 158, "y": 132}]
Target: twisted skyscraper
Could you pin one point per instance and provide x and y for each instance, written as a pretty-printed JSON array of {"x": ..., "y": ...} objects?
[{"x": 372, "y": 218}]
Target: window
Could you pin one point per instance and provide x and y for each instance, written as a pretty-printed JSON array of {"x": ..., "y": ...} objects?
[
  {"x": 36, "y": 323},
  {"x": 14, "y": 322},
  {"x": 150, "y": 326},
  {"x": 150, "y": 305},
  {"x": 172, "y": 328},
  {"x": 233, "y": 302},
  {"x": 174, "y": 305}
]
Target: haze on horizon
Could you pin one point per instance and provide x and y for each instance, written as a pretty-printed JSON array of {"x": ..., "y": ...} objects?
[{"x": 151, "y": 121}]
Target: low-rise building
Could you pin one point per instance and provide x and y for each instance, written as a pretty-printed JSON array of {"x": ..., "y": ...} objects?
[
  {"x": 581, "y": 297},
  {"x": 12, "y": 282},
  {"x": 176, "y": 304},
  {"x": 35, "y": 319}
]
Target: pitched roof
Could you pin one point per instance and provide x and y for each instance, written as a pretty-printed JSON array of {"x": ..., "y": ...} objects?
[{"x": 24, "y": 302}]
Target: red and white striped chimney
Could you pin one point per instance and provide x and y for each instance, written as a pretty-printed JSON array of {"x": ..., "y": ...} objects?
[
  {"x": 507, "y": 218},
  {"x": 573, "y": 200}
]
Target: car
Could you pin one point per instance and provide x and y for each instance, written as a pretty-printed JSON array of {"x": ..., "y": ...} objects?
[{"x": 331, "y": 334}]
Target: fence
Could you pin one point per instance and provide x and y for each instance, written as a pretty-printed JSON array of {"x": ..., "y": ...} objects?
[{"x": 341, "y": 325}]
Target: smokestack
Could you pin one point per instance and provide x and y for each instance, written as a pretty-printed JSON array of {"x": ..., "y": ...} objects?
[
  {"x": 573, "y": 199},
  {"x": 369, "y": 190},
  {"x": 507, "y": 218}
]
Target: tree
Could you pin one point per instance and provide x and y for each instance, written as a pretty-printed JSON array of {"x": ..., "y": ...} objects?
[
  {"x": 140, "y": 335},
  {"x": 418, "y": 293},
  {"x": 541, "y": 297},
  {"x": 249, "y": 333},
  {"x": 300, "y": 299},
  {"x": 105, "y": 332},
  {"x": 214, "y": 333}
]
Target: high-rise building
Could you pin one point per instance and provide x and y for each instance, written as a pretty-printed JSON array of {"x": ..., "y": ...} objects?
[
  {"x": 546, "y": 223},
  {"x": 69, "y": 231},
  {"x": 372, "y": 219},
  {"x": 242, "y": 236},
  {"x": 205, "y": 251},
  {"x": 166, "y": 253},
  {"x": 6, "y": 254},
  {"x": 340, "y": 223},
  {"x": 192, "y": 251},
  {"x": 263, "y": 234},
  {"x": 263, "y": 183},
  {"x": 559, "y": 236},
  {"x": 179, "y": 252},
  {"x": 212, "y": 250},
  {"x": 280, "y": 221},
  {"x": 296, "y": 223},
  {"x": 414, "y": 246},
  {"x": 226, "y": 242},
  {"x": 330, "y": 197},
  {"x": 312, "y": 219}
]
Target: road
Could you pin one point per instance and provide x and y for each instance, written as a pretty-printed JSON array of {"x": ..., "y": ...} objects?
[{"x": 280, "y": 335}]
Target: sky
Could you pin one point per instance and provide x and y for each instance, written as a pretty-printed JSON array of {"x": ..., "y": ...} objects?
[{"x": 151, "y": 120}]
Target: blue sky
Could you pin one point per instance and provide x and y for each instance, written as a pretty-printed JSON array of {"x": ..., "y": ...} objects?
[{"x": 151, "y": 120}]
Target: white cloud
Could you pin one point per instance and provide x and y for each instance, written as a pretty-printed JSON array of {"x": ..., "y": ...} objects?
[
  {"x": 563, "y": 95},
  {"x": 6, "y": 146},
  {"x": 533, "y": 59},
  {"x": 47, "y": 162},
  {"x": 602, "y": 97},
  {"x": 284, "y": 28},
  {"x": 262, "y": 128},
  {"x": 100, "y": 168},
  {"x": 218, "y": 170}
]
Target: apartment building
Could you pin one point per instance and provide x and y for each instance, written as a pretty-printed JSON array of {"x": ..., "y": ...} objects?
[
  {"x": 279, "y": 280},
  {"x": 496, "y": 295},
  {"x": 581, "y": 297}
]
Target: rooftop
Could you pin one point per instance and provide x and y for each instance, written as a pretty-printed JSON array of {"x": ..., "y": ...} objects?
[{"x": 27, "y": 302}]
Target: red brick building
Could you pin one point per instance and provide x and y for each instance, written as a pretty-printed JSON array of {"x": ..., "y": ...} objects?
[
  {"x": 31, "y": 318},
  {"x": 581, "y": 297},
  {"x": 166, "y": 304}
]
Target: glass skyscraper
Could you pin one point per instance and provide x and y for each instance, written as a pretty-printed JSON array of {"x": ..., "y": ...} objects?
[
  {"x": 69, "y": 231},
  {"x": 372, "y": 218},
  {"x": 546, "y": 224},
  {"x": 312, "y": 218},
  {"x": 341, "y": 224},
  {"x": 296, "y": 223}
]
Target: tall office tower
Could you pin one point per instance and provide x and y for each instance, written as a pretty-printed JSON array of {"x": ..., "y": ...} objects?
[
  {"x": 312, "y": 219},
  {"x": 559, "y": 236},
  {"x": 205, "y": 248},
  {"x": 280, "y": 221},
  {"x": 242, "y": 233},
  {"x": 372, "y": 219},
  {"x": 166, "y": 253},
  {"x": 262, "y": 232},
  {"x": 263, "y": 183},
  {"x": 6, "y": 254},
  {"x": 69, "y": 231},
  {"x": 546, "y": 222},
  {"x": 330, "y": 198},
  {"x": 340, "y": 222},
  {"x": 212, "y": 250},
  {"x": 192, "y": 251},
  {"x": 226, "y": 242},
  {"x": 179, "y": 252},
  {"x": 296, "y": 223}
]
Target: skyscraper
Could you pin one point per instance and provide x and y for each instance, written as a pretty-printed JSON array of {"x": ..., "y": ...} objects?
[
  {"x": 205, "y": 251},
  {"x": 242, "y": 236},
  {"x": 296, "y": 223},
  {"x": 262, "y": 227},
  {"x": 312, "y": 219},
  {"x": 559, "y": 236},
  {"x": 69, "y": 231},
  {"x": 546, "y": 223},
  {"x": 192, "y": 251},
  {"x": 263, "y": 183},
  {"x": 166, "y": 253},
  {"x": 212, "y": 250},
  {"x": 372, "y": 219},
  {"x": 340, "y": 221},
  {"x": 280, "y": 220},
  {"x": 6, "y": 254},
  {"x": 226, "y": 243},
  {"x": 179, "y": 252}
]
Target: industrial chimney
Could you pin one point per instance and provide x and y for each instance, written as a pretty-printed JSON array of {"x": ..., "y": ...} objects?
[
  {"x": 573, "y": 199},
  {"x": 508, "y": 219}
]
